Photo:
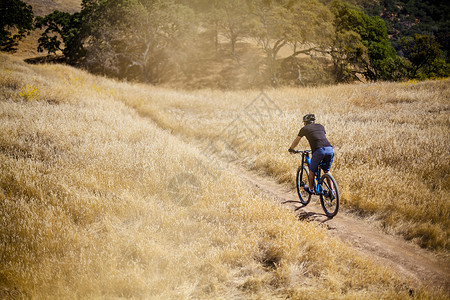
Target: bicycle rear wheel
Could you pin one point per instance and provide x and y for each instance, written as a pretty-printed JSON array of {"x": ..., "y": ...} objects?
[
  {"x": 329, "y": 196},
  {"x": 302, "y": 179}
]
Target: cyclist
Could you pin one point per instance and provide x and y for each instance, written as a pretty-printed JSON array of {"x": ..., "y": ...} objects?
[{"x": 322, "y": 151}]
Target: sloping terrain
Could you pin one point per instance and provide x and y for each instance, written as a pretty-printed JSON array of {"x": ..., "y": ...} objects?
[
  {"x": 184, "y": 114},
  {"x": 410, "y": 261},
  {"x": 99, "y": 202},
  {"x": 390, "y": 139}
]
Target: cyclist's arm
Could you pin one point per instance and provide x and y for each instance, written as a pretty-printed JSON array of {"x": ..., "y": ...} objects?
[{"x": 295, "y": 142}]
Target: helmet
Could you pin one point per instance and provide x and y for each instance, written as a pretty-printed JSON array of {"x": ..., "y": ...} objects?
[{"x": 309, "y": 118}]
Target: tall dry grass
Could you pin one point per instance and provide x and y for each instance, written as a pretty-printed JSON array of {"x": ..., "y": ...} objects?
[
  {"x": 391, "y": 142},
  {"x": 87, "y": 209}
]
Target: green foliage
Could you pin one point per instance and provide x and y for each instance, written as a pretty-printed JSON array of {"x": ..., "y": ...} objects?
[
  {"x": 61, "y": 25},
  {"x": 361, "y": 45},
  {"x": 394, "y": 68},
  {"x": 16, "y": 21},
  {"x": 425, "y": 56},
  {"x": 143, "y": 40},
  {"x": 306, "y": 26},
  {"x": 347, "y": 47},
  {"x": 140, "y": 40},
  {"x": 408, "y": 17}
]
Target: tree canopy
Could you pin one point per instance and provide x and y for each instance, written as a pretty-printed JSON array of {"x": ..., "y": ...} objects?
[
  {"x": 156, "y": 40},
  {"x": 65, "y": 26},
  {"x": 15, "y": 23},
  {"x": 425, "y": 56}
]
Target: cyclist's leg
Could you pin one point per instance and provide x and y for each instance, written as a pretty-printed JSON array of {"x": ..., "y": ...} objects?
[
  {"x": 316, "y": 158},
  {"x": 328, "y": 160},
  {"x": 330, "y": 183},
  {"x": 311, "y": 180}
]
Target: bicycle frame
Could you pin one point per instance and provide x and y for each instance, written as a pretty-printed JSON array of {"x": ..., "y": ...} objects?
[
  {"x": 324, "y": 185},
  {"x": 306, "y": 159}
]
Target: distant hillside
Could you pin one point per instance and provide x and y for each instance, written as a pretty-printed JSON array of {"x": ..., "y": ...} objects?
[
  {"x": 44, "y": 7},
  {"x": 407, "y": 17}
]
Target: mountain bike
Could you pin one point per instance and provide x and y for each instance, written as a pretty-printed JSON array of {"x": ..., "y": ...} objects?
[{"x": 325, "y": 186}]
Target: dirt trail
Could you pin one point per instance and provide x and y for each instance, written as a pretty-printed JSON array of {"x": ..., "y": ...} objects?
[{"x": 409, "y": 260}]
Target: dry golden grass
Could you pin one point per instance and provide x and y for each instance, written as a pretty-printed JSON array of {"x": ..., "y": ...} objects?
[
  {"x": 86, "y": 209},
  {"x": 391, "y": 142}
]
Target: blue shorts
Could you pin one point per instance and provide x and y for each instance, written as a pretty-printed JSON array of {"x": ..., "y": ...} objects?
[{"x": 325, "y": 155}]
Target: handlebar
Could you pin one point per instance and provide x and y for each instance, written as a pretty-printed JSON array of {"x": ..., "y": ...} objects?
[{"x": 300, "y": 151}]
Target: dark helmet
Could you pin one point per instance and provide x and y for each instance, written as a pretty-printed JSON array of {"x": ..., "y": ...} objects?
[{"x": 309, "y": 118}]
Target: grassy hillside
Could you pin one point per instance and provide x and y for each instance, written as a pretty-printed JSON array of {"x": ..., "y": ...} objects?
[
  {"x": 91, "y": 205},
  {"x": 391, "y": 142}
]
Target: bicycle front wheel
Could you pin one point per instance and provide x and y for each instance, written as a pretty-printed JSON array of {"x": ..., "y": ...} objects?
[
  {"x": 302, "y": 179},
  {"x": 329, "y": 196}
]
